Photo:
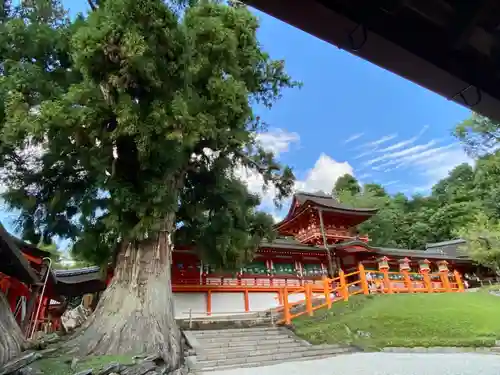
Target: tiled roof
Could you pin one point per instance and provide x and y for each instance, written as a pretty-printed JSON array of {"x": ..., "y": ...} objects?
[
  {"x": 458, "y": 241},
  {"x": 328, "y": 201},
  {"x": 449, "y": 248},
  {"x": 76, "y": 271}
]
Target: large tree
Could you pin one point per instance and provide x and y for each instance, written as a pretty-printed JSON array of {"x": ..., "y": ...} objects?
[{"x": 126, "y": 127}]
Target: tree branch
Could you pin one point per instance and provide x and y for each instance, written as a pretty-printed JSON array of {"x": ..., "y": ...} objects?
[{"x": 92, "y": 5}]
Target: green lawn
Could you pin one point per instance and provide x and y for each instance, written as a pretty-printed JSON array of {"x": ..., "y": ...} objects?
[{"x": 409, "y": 320}]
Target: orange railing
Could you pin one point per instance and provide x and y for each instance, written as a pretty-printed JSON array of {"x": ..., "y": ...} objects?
[{"x": 366, "y": 282}]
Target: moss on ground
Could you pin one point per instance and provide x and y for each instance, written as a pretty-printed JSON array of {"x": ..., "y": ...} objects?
[
  {"x": 60, "y": 365},
  {"x": 406, "y": 320}
]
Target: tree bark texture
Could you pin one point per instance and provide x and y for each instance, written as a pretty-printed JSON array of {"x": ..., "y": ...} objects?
[
  {"x": 135, "y": 313},
  {"x": 11, "y": 337}
]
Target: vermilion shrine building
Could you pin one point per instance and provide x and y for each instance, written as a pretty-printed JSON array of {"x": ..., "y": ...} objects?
[
  {"x": 316, "y": 234},
  {"x": 315, "y": 228}
]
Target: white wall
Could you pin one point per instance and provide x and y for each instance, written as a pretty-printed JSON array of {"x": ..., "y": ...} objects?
[
  {"x": 197, "y": 302},
  {"x": 228, "y": 303},
  {"x": 223, "y": 303},
  {"x": 262, "y": 301}
]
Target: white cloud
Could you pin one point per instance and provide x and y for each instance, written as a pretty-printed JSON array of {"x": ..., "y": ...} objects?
[
  {"x": 321, "y": 177},
  {"x": 437, "y": 165},
  {"x": 403, "y": 153},
  {"x": 398, "y": 145},
  {"x": 324, "y": 174},
  {"x": 378, "y": 142},
  {"x": 278, "y": 140},
  {"x": 394, "y": 182},
  {"x": 364, "y": 175},
  {"x": 353, "y": 137}
]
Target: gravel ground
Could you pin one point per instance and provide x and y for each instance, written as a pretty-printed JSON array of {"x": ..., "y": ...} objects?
[{"x": 381, "y": 364}]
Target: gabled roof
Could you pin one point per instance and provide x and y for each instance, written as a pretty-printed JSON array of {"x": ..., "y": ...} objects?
[
  {"x": 327, "y": 201},
  {"x": 12, "y": 261},
  {"x": 301, "y": 201}
]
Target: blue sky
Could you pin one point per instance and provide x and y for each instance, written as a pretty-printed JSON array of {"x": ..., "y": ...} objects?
[{"x": 350, "y": 116}]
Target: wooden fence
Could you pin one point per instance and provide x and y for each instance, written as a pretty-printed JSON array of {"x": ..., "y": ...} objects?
[{"x": 365, "y": 282}]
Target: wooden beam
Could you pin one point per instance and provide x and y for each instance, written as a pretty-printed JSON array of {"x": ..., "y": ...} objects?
[{"x": 468, "y": 14}]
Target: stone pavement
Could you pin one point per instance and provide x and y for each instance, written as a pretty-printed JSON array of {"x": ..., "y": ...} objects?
[{"x": 381, "y": 364}]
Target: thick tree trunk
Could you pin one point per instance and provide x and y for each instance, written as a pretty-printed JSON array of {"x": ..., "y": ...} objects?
[
  {"x": 11, "y": 337},
  {"x": 135, "y": 313}
]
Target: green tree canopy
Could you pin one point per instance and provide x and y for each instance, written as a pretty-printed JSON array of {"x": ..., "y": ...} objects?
[
  {"x": 346, "y": 183},
  {"x": 128, "y": 126},
  {"x": 483, "y": 241}
]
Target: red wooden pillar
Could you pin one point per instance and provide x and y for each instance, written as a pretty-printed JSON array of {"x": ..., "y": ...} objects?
[
  {"x": 247, "y": 302},
  {"x": 209, "y": 302}
]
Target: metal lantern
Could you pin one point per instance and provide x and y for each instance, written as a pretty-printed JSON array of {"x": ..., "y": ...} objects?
[
  {"x": 424, "y": 265},
  {"x": 443, "y": 266},
  {"x": 383, "y": 263},
  {"x": 404, "y": 264}
]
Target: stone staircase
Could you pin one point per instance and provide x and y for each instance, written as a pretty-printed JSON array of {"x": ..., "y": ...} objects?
[{"x": 249, "y": 347}]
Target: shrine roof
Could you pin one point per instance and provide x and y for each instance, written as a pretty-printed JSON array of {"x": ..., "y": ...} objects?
[
  {"x": 12, "y": 261},
  {"x": 327, "y": 201},
  {"x": 449, "y": 248},
  {"x": 302, "y": 201},
  {"x": 289, "y": 244},
  {"x": 418, "y": 254},
  {"x": 30, "y": 249},
  {"x": 80, "y": 281},
  {"x": 411, "y": 253}
]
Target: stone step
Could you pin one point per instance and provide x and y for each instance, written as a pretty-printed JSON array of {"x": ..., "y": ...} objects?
[
  {"x": 250, "y": 343},
  {"x": 248, "y": 348},
  {"x": 236, "y": 337},
  {"x": 263, "y": 360},
  {"x": 218, "y": 356},
  {"x": 232, "y": 331}
]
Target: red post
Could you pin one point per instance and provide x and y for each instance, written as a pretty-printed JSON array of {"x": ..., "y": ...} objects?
[
  {"x": 309, "y": 297},
  {"x": 209, "y": 302},
  {"x": 344, "y": 290},
  {"x": 247, "y": 302},
  {"x": 286, "y": 307},
  {"x": 326, "y": 291},
  {"x": 362, "y": 278}
]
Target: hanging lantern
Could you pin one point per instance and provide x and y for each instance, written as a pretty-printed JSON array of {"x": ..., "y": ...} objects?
[
  {"x": 383, "y": 263},
  {"x": 424, "y": 265},
  {"x": 404, "y": 264},
  {"x": 443, "y": 266}
]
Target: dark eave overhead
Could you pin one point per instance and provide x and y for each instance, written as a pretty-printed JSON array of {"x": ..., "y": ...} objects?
[{"x": 449, "y": 47}]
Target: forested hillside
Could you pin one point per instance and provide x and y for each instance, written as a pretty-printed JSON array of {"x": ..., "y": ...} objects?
[{"x": 456, "y": 203}]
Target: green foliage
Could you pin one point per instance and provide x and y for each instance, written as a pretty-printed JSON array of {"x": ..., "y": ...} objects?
[
  {"x": 449, "y": 319},
  {"x": 116, "y": 122},
  {"x": 479, "y": 134},
  {"x": 346, "y": 183},
  {"x": 483, "y": 241},
  {"x": 410, "y": 223}
]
